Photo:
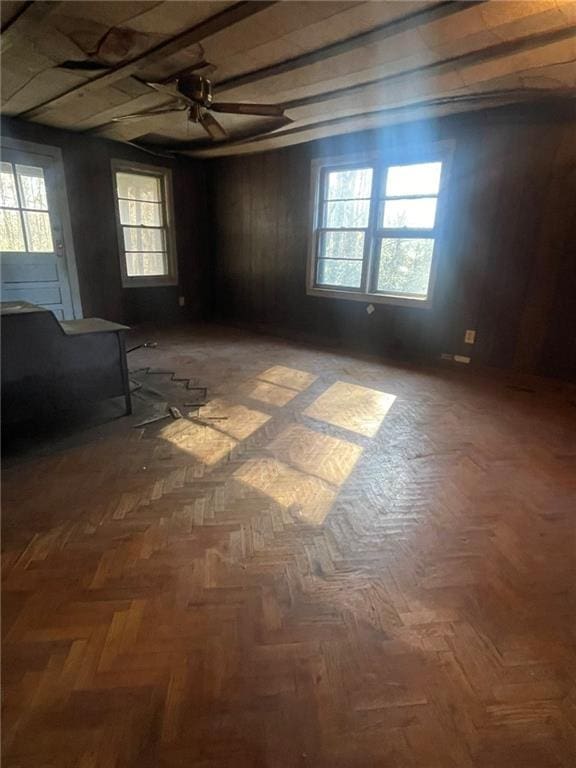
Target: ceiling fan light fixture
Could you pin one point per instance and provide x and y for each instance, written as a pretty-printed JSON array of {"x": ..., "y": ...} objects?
[{"x": 196, "y": 88}]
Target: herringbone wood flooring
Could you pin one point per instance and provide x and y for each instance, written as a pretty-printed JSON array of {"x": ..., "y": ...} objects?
[{"x": 360, "y": 566}]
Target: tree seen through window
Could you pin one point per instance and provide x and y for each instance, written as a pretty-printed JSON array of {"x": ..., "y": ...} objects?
[{"x": 379, "y": 241}]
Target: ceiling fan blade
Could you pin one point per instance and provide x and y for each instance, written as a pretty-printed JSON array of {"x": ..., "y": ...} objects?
[
  {"x": 267, "y": 110},
  {"x": 212, "y": 127},
  {"x": 140, "y": 115},
  {"x": 281, "y": 122},
  {"x": 237, "y": 138},
  {"x": 166, "y": 91}
]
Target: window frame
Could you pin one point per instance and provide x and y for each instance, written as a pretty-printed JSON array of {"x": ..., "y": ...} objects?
[
  {"x": 165, "y": 176},
  {"x": 22, "y": 209},
  {"x": 440, "y": 151},
  {"x": 321, "y": 227}
]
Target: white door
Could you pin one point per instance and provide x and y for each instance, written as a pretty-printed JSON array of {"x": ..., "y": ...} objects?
[{"x": 32, "y": 248}]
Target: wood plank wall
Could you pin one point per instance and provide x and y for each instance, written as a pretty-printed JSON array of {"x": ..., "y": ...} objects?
[
  {"x": 91, "y": 202},
  {"x": 507, "y": 267}
]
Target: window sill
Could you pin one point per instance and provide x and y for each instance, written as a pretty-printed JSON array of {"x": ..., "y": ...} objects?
[
  {"x": 371, "y": 298},
  {"x": 149, "y": 282}
]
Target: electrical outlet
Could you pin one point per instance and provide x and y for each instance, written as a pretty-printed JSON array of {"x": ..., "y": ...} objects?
[
  {"x": 470, "y": 337},
  {"x": 461, "y": 359},
  {"x": 181, "y": 301},
  {"x": 370, "y": 308}
]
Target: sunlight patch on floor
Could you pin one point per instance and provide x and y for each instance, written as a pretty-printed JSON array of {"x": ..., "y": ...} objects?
[
  {"x": 233, "y": 419},
  {"x": 288, "y": 377},
  {"x": 204, "y": 443},
  {"x": 277, "y": 385},
  {"x": 307, "y": 497},
  {"x": 265, "y": 392},
  {"x": 352, "y": 407},
  {"x": 328, "y": 458}
]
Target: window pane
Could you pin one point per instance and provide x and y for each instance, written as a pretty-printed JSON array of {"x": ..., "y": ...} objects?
[
  {"x": 136, "y": 186},
  {"x": 420, "y": 179},
  {"x": 405, "y": 265},
  {"x": 146, "y": 264},
  {"x": 32, "y": 187},
  {"x": 347, "y": 274},
  {"x": 419, "y": 213},
  {"x": 11, "y": 235},
  {"x": 135, "y": 212},
  {"x": 342, "y": 245},
  {"x": 355, "y": 183},
  {"x": 8, "y": 195},
  {"x": 348, "y": 214},
  {"x": 136, "y": 239},
  {"x": 38, "y": 231}
]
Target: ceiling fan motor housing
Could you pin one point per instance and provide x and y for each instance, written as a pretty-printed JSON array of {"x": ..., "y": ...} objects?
[{"x": 197, "y": 88}]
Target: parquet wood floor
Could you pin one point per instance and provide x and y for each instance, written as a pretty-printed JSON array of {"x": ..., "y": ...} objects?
[{"x": 347, "y": 564}]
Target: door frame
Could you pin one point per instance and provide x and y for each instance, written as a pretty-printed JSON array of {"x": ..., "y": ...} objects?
[{"x": 60, "y": 194}]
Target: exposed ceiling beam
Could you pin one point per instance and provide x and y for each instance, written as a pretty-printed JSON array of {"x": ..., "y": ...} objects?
[
  {"x": 14, "y": 13},
  {"x": 510, "y": 94},
  {"x": 362, "y": 121},
  {"x": 470, "y": 58},
  {"x": 377, "y": 34},
  {"x": 465, "y": 59},
  {"x": 410, "y": 21},
  {"x": 211, "y": 26},
  {"x": 28, "y": 19}
]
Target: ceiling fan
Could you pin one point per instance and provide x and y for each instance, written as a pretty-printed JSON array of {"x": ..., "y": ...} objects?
[{"x": 194, "y": 95}]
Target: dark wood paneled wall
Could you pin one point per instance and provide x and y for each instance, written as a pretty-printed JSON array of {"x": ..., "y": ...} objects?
[
  {"x": 91, "y": 201},
  {"x": 507, "y": 265}
]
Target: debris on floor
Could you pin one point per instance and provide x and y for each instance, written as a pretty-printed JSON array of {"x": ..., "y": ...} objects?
[
  {"x": 145, "y": 345},
  {"x": 152, "y": 419},
  {"x": 166, "y": 398}
]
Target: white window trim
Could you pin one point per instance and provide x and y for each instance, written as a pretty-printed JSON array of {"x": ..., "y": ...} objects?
[
  {"x": 165, "y": 176},
  {"x": 438, "y": 151}
]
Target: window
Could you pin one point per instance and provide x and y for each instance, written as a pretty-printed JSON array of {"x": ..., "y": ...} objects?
[
  {"x": 375, "y": 226},
  {"x": 144, "y": 216},
  {"x": 24, "y": 218}
]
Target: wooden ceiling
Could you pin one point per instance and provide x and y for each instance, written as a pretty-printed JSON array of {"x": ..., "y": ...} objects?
[{"x": 336, "y": 67}]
